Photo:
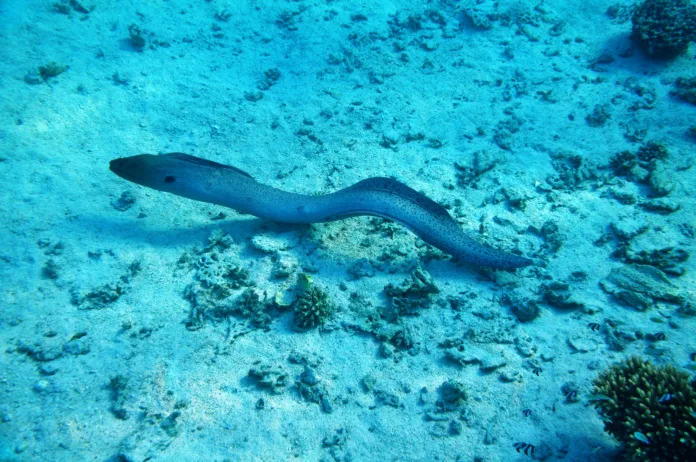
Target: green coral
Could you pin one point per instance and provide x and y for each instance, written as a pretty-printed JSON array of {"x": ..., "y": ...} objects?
[
  {"x": 641, "y": 402},
  {"x": 664, "y": 28},
  {"x": 312, "y": 308}
]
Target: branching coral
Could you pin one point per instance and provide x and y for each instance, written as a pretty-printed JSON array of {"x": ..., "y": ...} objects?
[
  {"x": 664, "y": 28},
  {"x": 312, "y": 308},
  {"x": 650, "y": 409}
]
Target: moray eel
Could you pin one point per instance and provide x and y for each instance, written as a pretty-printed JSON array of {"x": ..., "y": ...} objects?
[{"x": 208, "y": 181}]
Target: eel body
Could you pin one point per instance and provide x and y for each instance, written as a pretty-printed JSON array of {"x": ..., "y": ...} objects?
[{"x": 208, "y": 181}]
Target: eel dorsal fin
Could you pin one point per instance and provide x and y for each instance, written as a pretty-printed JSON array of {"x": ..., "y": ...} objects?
[{"x": 207, "y": 163}]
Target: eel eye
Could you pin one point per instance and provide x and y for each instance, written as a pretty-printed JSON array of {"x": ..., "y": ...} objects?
[{"x": 169, "y": 179}]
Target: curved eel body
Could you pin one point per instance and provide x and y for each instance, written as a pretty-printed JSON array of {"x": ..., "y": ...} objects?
[{"x": 208, "y": 181}]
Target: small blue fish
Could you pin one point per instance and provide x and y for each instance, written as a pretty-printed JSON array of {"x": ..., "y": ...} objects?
[
  {"x": 641, "y": 437},
  {"x": 666, "y": 397},
  {"x": 599, "y": 397},
  {"x": 693, "y": 414}
]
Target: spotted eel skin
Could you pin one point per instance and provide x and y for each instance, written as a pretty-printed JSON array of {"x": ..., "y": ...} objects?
[{"x": 208, "y": 181}]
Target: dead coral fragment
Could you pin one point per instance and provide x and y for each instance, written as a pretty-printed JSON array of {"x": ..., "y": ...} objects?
[
  {"x": 257, "y": 311},
  {"x": 99, "y": 297},
  {"x": 414, "y": 293},
  {"x": 644, "y": 166},
  {"x": 599, "y": 116},
  {"x": 218, "y": 275},
  {"x": 311, "y": 389},
  {"x": 118, "y": 386},
  {"x": 64, "y": 7},
  {"x": 667, "y": 259},
  {"x": 135, "y": 37},
  {"x": 685, "y": 89},
  {"x": 51, "y": 70},
  {"x": 560, "y": 295},
  {"x": 641, "y": 286},
  {"x": 271, "y": 377},
  {"x": 452, "y": 396},
  {"x": 655, "y": 401}
]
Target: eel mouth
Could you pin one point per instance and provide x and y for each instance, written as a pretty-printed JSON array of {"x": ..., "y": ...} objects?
[
  {"x": 123, "y": 167},
  {"x": 137, "y": 169}
]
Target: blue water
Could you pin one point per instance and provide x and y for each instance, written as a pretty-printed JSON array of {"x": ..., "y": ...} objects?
[{"x": 138, "y": 325}]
